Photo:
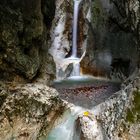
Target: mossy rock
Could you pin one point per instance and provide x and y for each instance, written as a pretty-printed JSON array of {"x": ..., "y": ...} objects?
[
  {"x": 133, "y": 113},
  {"x": 23, "y": 35}
]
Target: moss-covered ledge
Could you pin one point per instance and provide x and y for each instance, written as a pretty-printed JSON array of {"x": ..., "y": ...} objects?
[{"x": 133, "y": 113}]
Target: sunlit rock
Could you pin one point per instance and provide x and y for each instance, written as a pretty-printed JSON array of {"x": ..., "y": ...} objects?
[{"x": 88, "y": 127}]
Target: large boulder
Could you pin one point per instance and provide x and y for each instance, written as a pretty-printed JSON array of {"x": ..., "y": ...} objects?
[
  {"x": 88, "y": 128},
  {"x": 28, "y": 111}
]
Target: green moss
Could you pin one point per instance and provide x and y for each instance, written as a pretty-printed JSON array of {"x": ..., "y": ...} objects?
[
  {"x": 133, "y": 114},
  {"x": 99, "y": 16},
  {"x": 24, "y": 31}
]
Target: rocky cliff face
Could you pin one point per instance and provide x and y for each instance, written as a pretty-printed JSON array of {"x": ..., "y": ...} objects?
[
  {"x": 113, "y": 39},
  {"x": 111, "y": 32},
  {"x": 28, "y": 111},
  {"x": 61, "y": 34},
  {"x": 114, "y": 35},
  {"x": 128, "y": 15},
  {"x": 24, "y": 35}
]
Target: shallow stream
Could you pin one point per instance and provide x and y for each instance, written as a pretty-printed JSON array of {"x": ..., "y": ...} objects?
[{"x": 84, "y": 93}]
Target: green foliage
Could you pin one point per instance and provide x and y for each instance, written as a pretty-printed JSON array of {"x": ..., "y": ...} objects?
[{"x": 133, "y": 114}]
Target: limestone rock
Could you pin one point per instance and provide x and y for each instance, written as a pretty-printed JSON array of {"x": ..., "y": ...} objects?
[
  {"x": 120, "y": 114},
  {"x": 28, "y": 111},
  {"x": 89, "y": 127},
  {"x": 113, "y": 38}
]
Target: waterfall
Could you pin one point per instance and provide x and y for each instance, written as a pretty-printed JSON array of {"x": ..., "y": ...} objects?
[
  {"x": 76, "y": 70},
  {"x": 60, "y": 43},
  {"x": 76, "y": 66},
  {"x": 75, "y": 26}
]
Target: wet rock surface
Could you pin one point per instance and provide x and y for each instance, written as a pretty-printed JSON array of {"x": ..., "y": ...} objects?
[
  {"x": 115, "y": 114},
  {"x": 89, "y": 128},
  {"x": 115, "y": 119}
]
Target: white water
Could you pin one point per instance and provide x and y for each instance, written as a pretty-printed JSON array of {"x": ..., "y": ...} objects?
[
  {"x": 65, "y": 130},
  {"x": 75, "y": 23},
  {"x": 76, "y": 67},
  {"x": 76, "y": 70}
]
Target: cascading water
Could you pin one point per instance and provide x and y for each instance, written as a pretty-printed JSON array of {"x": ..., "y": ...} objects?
[
  {"x": 83, "y": 92},
  {"x": 76, "y": 66},
  {"x": 65, "y": 130},
  {"x": 75, "y": 23}
]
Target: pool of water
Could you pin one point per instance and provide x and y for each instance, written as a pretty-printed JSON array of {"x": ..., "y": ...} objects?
[{"x": 86, "y": 91}]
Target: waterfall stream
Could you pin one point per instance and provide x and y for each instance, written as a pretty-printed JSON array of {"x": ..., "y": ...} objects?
[
  {"x": 65, "y": 130},
  {"x": 75, "y": 26},
  {"x": 76, "y": 66},
  {"x": 82, "y": 95}
]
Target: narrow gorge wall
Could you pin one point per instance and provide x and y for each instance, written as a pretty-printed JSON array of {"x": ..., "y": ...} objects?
[
  {"x": 113, "y": 39},
  {"x": 112, "y": 49},
  {"x": 61, "y": 34},
  {"x": 24, "y": 36},
  {"x": 114, "y": 34},
  {"x": 28, "y": 111}
]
